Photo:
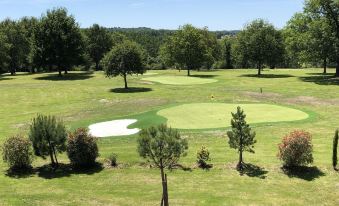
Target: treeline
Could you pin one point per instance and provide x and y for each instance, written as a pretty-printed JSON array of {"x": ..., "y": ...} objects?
[{"x": 55, "y": 42}]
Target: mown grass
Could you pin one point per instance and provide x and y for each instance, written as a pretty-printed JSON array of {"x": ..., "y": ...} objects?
[{"x": 84, "y": 98}]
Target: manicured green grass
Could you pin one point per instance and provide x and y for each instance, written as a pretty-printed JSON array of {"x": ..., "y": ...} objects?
[
  {"x": 179, "y": 80},
  {"x": 217, "y": 115},
  {"x": 81, "y": 99}
]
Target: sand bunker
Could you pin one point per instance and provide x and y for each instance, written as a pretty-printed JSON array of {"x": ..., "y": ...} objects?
[{"x": 113, "y": 128}]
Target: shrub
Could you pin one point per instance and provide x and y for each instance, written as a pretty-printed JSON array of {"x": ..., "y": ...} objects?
[
  {"x": 17, "y": 152},
  {"x": 203, "y": 156},
  {"x": 296, "y": 149},
  {"x": 113, "y": 160},
  {"x": 82, "y": 148}
]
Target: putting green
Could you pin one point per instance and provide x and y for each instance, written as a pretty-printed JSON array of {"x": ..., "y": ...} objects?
[
  {"x": 218, "y": 115},
  {"x": 179, "y": 80}
]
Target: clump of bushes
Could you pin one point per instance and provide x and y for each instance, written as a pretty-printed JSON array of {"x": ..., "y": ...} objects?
[
  {"x": 203, "y": 157},
  {"x": 17, "y": 152},
  {"x": 113, "y": 160},
  {"x": 296, "y": 149},
  {"x": 82, "y": 148}
]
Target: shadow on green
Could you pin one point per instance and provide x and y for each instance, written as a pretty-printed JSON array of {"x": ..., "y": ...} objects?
[
  {"x": 303, "y": 172},
  {"x": 66, "y": 77},
  {"x": 268, "y": 76},
  {"x": 131, "y": 90}
]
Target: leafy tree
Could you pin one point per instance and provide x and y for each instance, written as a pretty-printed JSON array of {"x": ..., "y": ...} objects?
[
  {"x": 328, "y": 9},
  {"x": 48, "y": 136},
  {"x": 163, "y": 147},
  {"x": 261, "y": 43},
  {"x": 124, "y": 59},
  {"x": 335, "y": 149},
  {"x": 4, "y": 50},
  {"x": 241, "y": 137},
  {"x": 189, "y": 47},
  {"x": 58, "y": 41},
  {"x": 227, "y": 43},
  {"x": 99, "y": 42},
  {"x": 19, "y": 45}
]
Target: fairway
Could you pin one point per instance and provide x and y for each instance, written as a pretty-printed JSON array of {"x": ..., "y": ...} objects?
[
  {"x": 217, "y": 115},
  {"x": 179, "y": 80}
]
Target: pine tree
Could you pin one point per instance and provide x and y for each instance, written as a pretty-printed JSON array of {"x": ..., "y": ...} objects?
[
  {"x": 241, "y": 137},
  {"x": 335, "y": 150}
]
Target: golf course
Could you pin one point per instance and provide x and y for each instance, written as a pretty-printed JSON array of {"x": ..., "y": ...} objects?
[{"x": 200, "y": 107}]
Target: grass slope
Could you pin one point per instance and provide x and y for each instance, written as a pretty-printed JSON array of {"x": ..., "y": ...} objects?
[
  {"x": 218, "y": 115},
  {"x": 85, "y": 98}
]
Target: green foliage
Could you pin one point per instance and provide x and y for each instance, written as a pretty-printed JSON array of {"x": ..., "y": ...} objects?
[
  {"x": 17, "y": 152},
  {"x": 99, "y": 42},
  {"x": 203, "y": 157},
  {"x": 124, "y": 59},
  {"x": 113, "y": 159},
  {"x": 48, "y": 136},
  {"x": 227, "y": 53},
  {"x": 241, "y": 136},
  {"x": 161, "y": 146},
  {"x": 335, "y": 149},
  {"x": 4, "y": 50},
  {"x": 82, "y": 148},
  {"x": 296, "y": 149},
  {"x": 58, "y": 41}
]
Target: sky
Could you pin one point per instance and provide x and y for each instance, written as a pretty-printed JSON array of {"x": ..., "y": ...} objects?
[{"x": 160, "y": 14}]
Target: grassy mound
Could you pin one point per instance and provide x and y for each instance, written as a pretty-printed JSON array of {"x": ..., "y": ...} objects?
[
  {"x": 217, "y": 115},
  {"x": 179, "y": 80}
]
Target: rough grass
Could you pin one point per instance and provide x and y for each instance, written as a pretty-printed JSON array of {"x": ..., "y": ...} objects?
[
  {"x": 218, "y": 115},
  {"x": 82, "y": 99},
  {"x": 179, "y": 80}
]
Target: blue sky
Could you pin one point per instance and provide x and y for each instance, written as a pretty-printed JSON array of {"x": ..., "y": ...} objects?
[{"x": 168, "y": 14}]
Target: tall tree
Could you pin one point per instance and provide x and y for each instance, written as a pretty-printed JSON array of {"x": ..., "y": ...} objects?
[
  {"x": 124, "y": 59},
  {"x": 227, "y": 43},
  {"x": 261, "y": 43},
  {"x": 99, "y": 42},
  {"x": 163, "y": 147},
  {"x": 58, "y": 41},
  {"x": 241, "y": 136},
  {"x": 328, "y": 9},
  {"x": 189, "y": 47},
  {"x": 4, "y": 50}
]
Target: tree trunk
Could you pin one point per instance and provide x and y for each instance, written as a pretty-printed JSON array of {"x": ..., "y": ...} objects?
[
  {"x": 66, "y": 72},
  {"x": 259, "y": 69},
  {"x": 337, "y": 68},
  {"x": 188, "y": 72},
  {"x": 96, "y": 65},
  {"x": 164, "y": 200},
  {"x": 240, "y": 163},
  {"x": 55, "y": 156},
  {"x": 325, "y": 65},
  {"x": 59, "y": 72},
  {"x": 125, "y": 80},
  {"x": 51, "y": 153}
]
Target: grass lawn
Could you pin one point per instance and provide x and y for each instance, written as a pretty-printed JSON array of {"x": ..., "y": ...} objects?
[
  {"x": 82, "y": 99},
  {"x": 179, "y": 80}
]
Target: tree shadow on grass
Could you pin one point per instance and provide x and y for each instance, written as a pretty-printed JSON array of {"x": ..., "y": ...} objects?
[
  {"x": 303, "y": 172},
  {"x": 268, "y": 76},
  {"x": 47, "y": 172},
  {"x": 204, "y": 75},
  {"x": 2, "y": 78},
  {"x": 253, "y": 171},
  {"x": 321, "y": 79},
  {"x": 66, "y": 77},
  {"x": 131, "y": 90}
]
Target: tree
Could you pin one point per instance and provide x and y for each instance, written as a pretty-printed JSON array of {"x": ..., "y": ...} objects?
[
  {"x": 124, "y": 59},
  {"x": 261, "y": 43},
  {"x": 335, "y": 149},
  {"x": 189, "y": 47},
  {"x": 226, "y": 51},
  {"x": 19, "y": 45},
  {"x": 48, "y": 136},
  {"x": 163, "y": 147},
  {"x": 4, "y": 50},
  {"x": 99, "y": 42},
  {"x": 328, "y": 9},
  {"x": 241, "y": 137},
  {"x": 58, "y": 41}
]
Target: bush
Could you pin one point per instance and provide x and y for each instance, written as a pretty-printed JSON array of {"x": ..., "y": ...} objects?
[
  {"x": 113, "y": 160},
  {"x": 17, "y": 152},
  {"x": 203, "y": 156},
  {"x": 82, "y": 148},
  {"x": 296, "y": 149}
]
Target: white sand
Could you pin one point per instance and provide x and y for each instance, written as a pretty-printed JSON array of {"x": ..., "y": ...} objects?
[{"x": 113, "y": 128}]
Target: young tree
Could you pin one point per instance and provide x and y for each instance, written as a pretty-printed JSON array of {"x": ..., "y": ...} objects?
[
  {"x": 48, "y": 137},
  {"x": 335, "y": 149},
  {"x": 241, "y": 137},
  {"x": 58, "y": 41},
  {"x": 261, "y": 43},
  {"x": 99, "y": 42},
  {"x": 124, "y": 59},
  {"x": 163, "y": 147},
  {"x": 189, "y": 47}
]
